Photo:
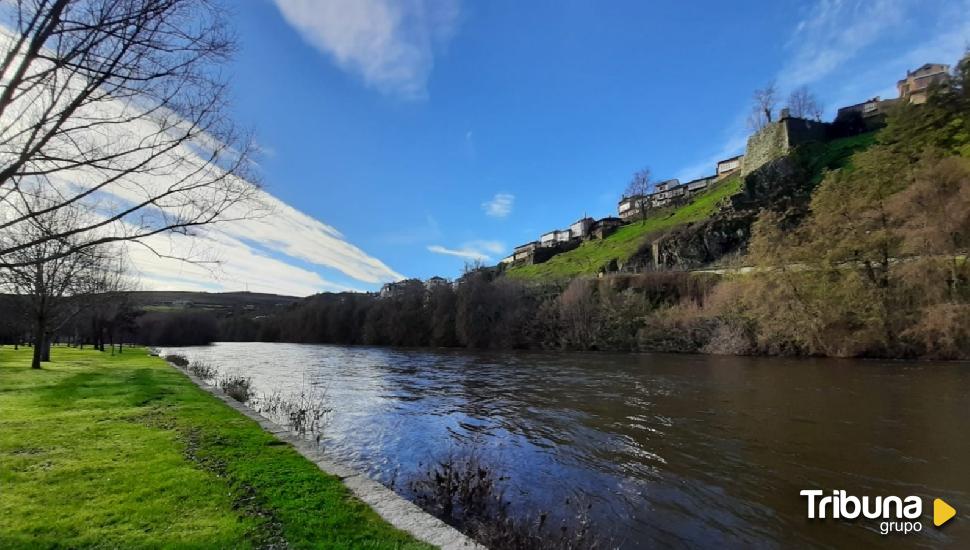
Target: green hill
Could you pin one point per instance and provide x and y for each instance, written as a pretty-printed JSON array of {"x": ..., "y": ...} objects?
[{"x": 592, "y": 255}]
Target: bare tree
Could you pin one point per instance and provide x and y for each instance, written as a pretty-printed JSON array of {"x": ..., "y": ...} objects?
[
  {"x": 763, "y": 109},
  {"x": 53, "y": 282},
  {"x": 802, "y": 103},
  {"x": 116, "y": 107},
  {"x": 638, "y": 190}
]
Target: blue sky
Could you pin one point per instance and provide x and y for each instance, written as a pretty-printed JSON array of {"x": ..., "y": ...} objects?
[{"x": 428, "y": 132}]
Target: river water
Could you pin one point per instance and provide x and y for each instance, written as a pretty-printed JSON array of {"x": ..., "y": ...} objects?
[{"x": 665, "y": 450}]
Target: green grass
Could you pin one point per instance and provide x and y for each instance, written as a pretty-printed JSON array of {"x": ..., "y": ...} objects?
[
  {"x": 833, "y": 154},
  {"x": 125, "y": 452},
  {"x": 594, "y": 254}
]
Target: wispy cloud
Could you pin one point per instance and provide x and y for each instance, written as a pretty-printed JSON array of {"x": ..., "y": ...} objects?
[
  {"x": 834, "y": 32},
  {"x": 474, "y": 250},
  {"x": 286, "y": 251},
  {"x": 850, "y": 50},
  {"x": 390, "y": 44},
  {"x": 500, "y": 206}
]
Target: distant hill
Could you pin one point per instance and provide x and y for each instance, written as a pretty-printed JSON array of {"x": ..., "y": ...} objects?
[{"x": 216, "y": 302}]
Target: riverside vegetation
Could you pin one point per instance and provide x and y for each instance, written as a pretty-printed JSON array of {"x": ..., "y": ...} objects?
[
  {"x": 864, "y": 255},
  {"x": 124, "y": 451}
]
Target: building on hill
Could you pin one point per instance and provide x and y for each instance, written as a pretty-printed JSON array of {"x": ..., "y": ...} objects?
[
  {"x": 436, "y": 282},
  {"x": 665, "y": 186},
  {"x": 728, "y": 166},
  {"x": 868, "y": 115},
  {"x": 629, "y": 207},
  {"x": 915, "y": 87},
  {"x": 554, "y": 237},
  {"x": 580, "y": 228},
  {"x": 399, "y": 288},
  {"x": 700, "y": 184},
  {"x": 605, "y": 227},
  {"x": 524, "y": 252}
]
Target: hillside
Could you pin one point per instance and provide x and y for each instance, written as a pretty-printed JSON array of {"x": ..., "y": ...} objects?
[
  {"x": 164, "y": 300},
  {"x": 593, "y": 255},
  {"x": 589, "y": 257}
]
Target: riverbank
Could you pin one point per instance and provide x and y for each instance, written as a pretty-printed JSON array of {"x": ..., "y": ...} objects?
[{"x": 124, "y": 451}]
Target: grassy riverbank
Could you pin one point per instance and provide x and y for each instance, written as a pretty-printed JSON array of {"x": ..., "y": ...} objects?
[{"x": 126, "y": 452}]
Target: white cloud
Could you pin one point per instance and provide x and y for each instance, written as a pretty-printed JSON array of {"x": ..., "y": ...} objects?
[
  {"x": 835, "y": 32},
  {"x": 500, "y": 206},
  {"x": 278, "y": 252},
  {"x": 474, "y": 250},
  {"x": 390, "y": 44}
]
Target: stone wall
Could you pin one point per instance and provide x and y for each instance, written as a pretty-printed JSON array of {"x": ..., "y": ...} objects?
[{"x": 777, "y": 140}]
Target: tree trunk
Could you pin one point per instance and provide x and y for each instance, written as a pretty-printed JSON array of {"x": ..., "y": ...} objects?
[
  {"x": 46, "y": 352},
  {"x": 38, "y": 354}
]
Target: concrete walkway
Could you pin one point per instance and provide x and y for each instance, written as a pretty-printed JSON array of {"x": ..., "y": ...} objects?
[{"x": 397, "y": 511}]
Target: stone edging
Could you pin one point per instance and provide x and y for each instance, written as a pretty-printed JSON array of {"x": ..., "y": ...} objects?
[{"x": 394, "y": 509}]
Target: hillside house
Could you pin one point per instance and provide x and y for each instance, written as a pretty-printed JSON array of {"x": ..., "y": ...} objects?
[
  {"x": 915, "y": 87},
  {"x": 580, "y": 228},
  {"x": 629, "y": 207},
  {"x": 871, "y": 114},
  {"x": 665, "y": 186},
  {"x": 700, "y": 184},
  {"x": 436, "y": 282},
  {"x": 399, "y": 288},
  {"x": 524, "y": 252},
  {"x": 728, "y": 166},
  {"x": 605, "y": 227},
  {"x": 554, "y": 237}
]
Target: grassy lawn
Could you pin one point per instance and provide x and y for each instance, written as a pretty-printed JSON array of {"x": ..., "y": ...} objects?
[
  {"x": 592, "y": 255},
  {"x": 125, "y": 452}
]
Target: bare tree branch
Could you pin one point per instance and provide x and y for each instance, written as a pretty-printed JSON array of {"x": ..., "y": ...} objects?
[{"x": 117, "y": 107}]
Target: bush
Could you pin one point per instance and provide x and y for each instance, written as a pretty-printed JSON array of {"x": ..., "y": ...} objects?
[
  {"x": 237, "y": 387},
  {"x": 177, "y": 360},
  {"x": 204, "y": 371},
  {"x": 304, "y": 413},
  {"x": 465, "y": 493}
]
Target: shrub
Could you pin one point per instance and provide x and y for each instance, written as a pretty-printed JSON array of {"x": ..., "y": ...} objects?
[
  {"x": 304, "y": 413},
  {"x": 177, "y": 360},
  {"x": 204, "y": 371},
  {"x": 237, "y": 387},
  {"x": 465, "y": 493}
]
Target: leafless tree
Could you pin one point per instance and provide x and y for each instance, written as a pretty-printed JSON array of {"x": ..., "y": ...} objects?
[
  {"x": 117, "y": 107},
  {"x": 53, "y": 282},
  {"x": 638, "y": 189},
  {"x": 802, "y": 103},
  {"x": 763, "y": 108}
]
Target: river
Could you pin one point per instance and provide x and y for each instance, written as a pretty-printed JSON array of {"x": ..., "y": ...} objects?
[{"x": 665, "y": 450}]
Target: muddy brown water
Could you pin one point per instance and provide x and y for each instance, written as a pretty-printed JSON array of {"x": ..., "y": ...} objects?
[{"x": 667, "y": 450}]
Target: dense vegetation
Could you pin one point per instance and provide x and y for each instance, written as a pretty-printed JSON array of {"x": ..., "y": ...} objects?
[{"x": 126, "y": 452}]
